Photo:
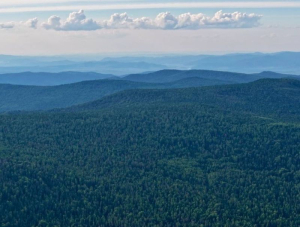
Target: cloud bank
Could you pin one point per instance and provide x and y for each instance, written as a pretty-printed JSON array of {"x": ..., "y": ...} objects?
[
  {"x": 7, "y": 25},
  {"x": 31, "y": 23},
  {"x": 77, "y": 21}
]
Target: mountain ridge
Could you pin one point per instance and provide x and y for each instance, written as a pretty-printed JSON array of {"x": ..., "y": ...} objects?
[
  {"x": 50, "y": 79},
  {"x": 262, "y": 97},
  {"x": 30, "y": 98},
  {"x": 281, "y": 62}
]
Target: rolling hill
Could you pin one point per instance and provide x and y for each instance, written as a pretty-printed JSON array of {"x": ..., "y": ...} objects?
[
  {"x": 106, "y": 67},
  {"x": 15, "y": 97},
  {"x": 19, "y": 97},
  {"x": 266, "y": 97},
  {"x": 29, "y": 98},
  {"x": 50, "y": 79},
  {"x": 165, "y": 76}
]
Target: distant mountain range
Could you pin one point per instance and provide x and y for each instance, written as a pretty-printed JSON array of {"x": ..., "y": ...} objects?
[
  {"x": 113, "y": 67},
  {"x": 196, "y": 77},
  {"x": 282, "y": 62},
  {"x": 166, "y": 76},
  {"x": 21, "y": 97}
]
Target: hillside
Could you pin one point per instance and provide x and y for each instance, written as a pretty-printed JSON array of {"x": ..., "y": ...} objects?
[
  {"x": 111, "y": 67},
  {"x": 214, "y": 156},
  {"x": 165, "y": 76},
  {"x": 50, "y": 79},
  {"x": 15, "y": 97},
  {"x": 206, "y": 78},
  {"x": 29, "y": 98},
  {"x": 193, "y": 82},
  {"x": 267, "y": 97}
]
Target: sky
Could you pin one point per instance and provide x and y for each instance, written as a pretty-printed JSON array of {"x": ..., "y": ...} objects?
[{"x": 131, "y": 27}]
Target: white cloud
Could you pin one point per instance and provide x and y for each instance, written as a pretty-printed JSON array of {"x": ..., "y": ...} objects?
[
  {"x": 234, "y": 20},
  {"x": 7, "y": 25},
  {"x": 219, "y": 20},
  {"x": 77, "y": 21},
  {"x": 32, "y": 23},
  {"x": 53, "y": 23},
  {"x": 118, "y": 20},
  {"x": 166, "y": 21}
]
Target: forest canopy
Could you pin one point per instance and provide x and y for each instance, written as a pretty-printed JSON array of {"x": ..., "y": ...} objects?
[{"x": 183, "y": 159}]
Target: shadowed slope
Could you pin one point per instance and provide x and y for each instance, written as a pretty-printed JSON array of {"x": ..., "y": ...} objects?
[{"x": 270, "y": 97}]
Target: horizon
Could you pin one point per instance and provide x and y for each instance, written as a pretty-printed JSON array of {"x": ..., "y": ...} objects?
[
  {"x": 152, "y": 54},
  {"x": 124, "y": 64}
]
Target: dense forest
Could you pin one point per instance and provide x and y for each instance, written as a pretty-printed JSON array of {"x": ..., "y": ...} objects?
[{"x": 215, "y": 156}]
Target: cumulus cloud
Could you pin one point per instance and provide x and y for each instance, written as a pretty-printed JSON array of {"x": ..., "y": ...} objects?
[
  {"x": 32, "y": 23},
  {"x": 118, "y": 20},
  {"x": 7, "y": 25},
  {"x": 77, "y": 21},
  {"x": 166, "y": 21},
  {"x": 235, "y": 20},
  {"x": 198, "y": 21}
]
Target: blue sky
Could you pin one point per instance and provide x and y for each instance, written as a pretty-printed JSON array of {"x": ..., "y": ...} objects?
[{"x": 242, "y": 26}]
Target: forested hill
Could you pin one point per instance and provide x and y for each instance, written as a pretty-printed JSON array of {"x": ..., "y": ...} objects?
[
  {"x": 266, "y": 97},
  {"x": 29, "y": 98},
  {"x": 16, "y": 97},
  {"x": 50, "y": 79},
  {"x": 164, "y": 76}
]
